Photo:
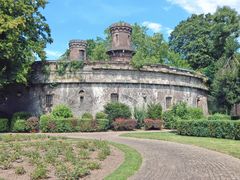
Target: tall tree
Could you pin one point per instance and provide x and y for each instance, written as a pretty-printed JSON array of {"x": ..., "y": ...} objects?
[
  {"x": 24, "y": 34},
  {"x": 204, "y": 39}
]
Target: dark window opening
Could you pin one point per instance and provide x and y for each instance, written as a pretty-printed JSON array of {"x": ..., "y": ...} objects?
[
  {"x": 3, "y": 99},
  {"x": 49, "y": 99},
  {"x": 81, "y": 93},
  {"x": 145, "y": 99},
  {"x": 81, "y": 54},
  {"x": 198, "y": 102},
  {"x": 117, "y": 37},
  {"x": 114, "y": 97},
  {"x": 168, "y": 102}
]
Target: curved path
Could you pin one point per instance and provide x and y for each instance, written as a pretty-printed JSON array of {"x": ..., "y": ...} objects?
[{"x": 168, "y": 160}]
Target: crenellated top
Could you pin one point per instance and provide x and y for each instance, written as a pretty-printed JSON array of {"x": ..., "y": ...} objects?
[{"x": 77, "y": 49}]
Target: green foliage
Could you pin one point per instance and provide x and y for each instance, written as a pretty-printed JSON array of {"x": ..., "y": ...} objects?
[
  {"x": 20, "y": 126},
  {"x": 71, "y": 66},
  {"x": 170, "y": 120},
  {"x": 117, "y": 110},
  {"x": 218, "y": 116},
  {"x": 4, "y": 125},
  {"x": 215, "y": 128},
  {"x": 23, "y": 33},
  {"x": 87, "y": 115},
  {"x": 139, "y": 114},
  {"x": 101, "y": 115},
  {"x": 181, "y": 111},
  {"x": 40, "y": 172},
  {"x": 62, "y": 111},
  {"x": 45, "y": 121},
  {"x": 102, "y": 124},
  {"x": 19, "y": 115},
  {"x": 154, "y": 111}
]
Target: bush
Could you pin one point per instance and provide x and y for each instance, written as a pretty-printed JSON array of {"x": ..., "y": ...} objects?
[
  {"x": 20, "y": 126},
  {"x": 102, "y": 124},
  {"x": 139, "y": 115},
  {"x": 122, "y": 124},
  {"x": 87, "y": 125},
  {"x": 169, "y": 120},
  {"x": 87, "y": 115},
  {"x": 101, "y": 115},
  {"x": 215, "y": 128},
  {"x": 47, "y": 123},
  {"x": 116, "y": 110},
  {"x": 62, "y": 111},
  {"x": 32, "y": 124},
  {"x": 3, "y": 125},
  {"x": 180, "y": 110},
  {"x": 19, "y": 115},
  {"x": 154, "y": 111},
  {"x": 218, "y": 116},
  {"x": 153, "y": 124},
  {"x": 194, "y": 113}
]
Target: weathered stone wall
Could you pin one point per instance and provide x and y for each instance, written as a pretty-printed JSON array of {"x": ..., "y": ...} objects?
[{"x": 89, "y": 89}]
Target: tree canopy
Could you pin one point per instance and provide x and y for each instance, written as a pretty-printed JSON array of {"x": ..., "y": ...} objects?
[
  {"x": 24, "y": 34},
  {"x": 209, "y": 42}
]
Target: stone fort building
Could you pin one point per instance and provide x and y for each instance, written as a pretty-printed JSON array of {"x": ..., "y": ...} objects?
[{"x": 89, "y": 88}]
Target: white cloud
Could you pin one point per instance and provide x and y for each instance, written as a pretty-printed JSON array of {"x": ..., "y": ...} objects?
[
  {"x": 205, "y": 6},
  {"x": 155, "y": 27},
  {"x": 53, "y": 54}
]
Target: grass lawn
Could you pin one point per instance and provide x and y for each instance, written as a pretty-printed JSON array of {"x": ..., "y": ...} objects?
[
  {"x": 131, "y": 164},
  {"x": 227, "y": 146},
  {"x": 42, "y": 156}
]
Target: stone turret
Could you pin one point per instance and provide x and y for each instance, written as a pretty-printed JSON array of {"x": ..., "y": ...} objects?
[
  {"x": 77, "y": 50},
  {"x": 121, "y": 48}
]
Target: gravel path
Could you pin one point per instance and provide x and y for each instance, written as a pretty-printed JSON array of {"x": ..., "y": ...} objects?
[{"x": 167, "y": 160}]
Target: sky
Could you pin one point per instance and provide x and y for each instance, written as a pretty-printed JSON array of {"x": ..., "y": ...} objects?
[{"x": 87, "y": 19}]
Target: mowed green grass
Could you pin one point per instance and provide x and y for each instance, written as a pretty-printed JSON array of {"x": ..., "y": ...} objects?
[
  {"x": 227, "y": 146},
  {"x": 131, "y": 164}
]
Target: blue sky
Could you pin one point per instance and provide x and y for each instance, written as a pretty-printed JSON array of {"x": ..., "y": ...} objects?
[{"x": 86, "y": 19}]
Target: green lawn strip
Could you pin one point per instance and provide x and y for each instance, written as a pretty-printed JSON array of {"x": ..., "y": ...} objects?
[
  {"x": 227, "y": 146},
  {"x": 131, "y": 164}
]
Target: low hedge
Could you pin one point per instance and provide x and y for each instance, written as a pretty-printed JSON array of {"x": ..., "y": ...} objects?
[
  {"x": 50, "y": 124},
  {"x": 4, "y": 125},
  {"x": 153, "y": 124},
  {"x": 20, "y": 126},
  {"x": 215, "y": 128},
  {"x": 122, "y": 124}
]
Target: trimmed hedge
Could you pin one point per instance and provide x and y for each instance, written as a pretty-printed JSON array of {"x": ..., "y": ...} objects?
[
  {"x": 62, "y": 111},
  {"x": 122, "y": 124},
  {"x": 20, "y": 126},
  {"x": 153, "y": 124},
  {"x": 50, "y": 124},
  {"x": 214, "y": 128},
  {"x": 19, "y": 115},
  {"x": 219, "y": 116},
  {"x": 4, "y": 125}
]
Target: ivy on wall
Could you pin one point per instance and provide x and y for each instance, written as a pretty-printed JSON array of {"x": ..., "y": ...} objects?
[{"x": 71, "y": 66}]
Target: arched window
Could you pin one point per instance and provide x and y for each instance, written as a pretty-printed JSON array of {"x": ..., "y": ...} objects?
[
  {"x": 81, "y": 54},
  {"x": 114, "y": 97},
  {"x": 81, "y": 94}
]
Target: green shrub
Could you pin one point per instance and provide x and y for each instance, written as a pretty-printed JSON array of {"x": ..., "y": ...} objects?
[
  {"x": 117, "y": 110},
  {"x": 215, "y": 128},
  {"x": 87, "y": 115},
  {"x": 20, "y": 170},
  {"x": 169, "y": 120},
  {"x": 218, "y": 116},
  {"x": 87, "y": 125},
  {"x": 20, "y": 126},
  {"x": 32, "y": 124},
  {"x": 154, "y": 111},
  {"x": 62, "y": 111},
  {"x": 194, "y": 113},
  {"x": 19, "y": 115},
  {"x": 4, "y": 125},
  {"x": 139, "y": 115},
  {"x": 102, "y": 124},
  {"x": 45, "y": 123},
  {"x": 101, "y": 115},
  {"x": 180, "y": 110}
]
